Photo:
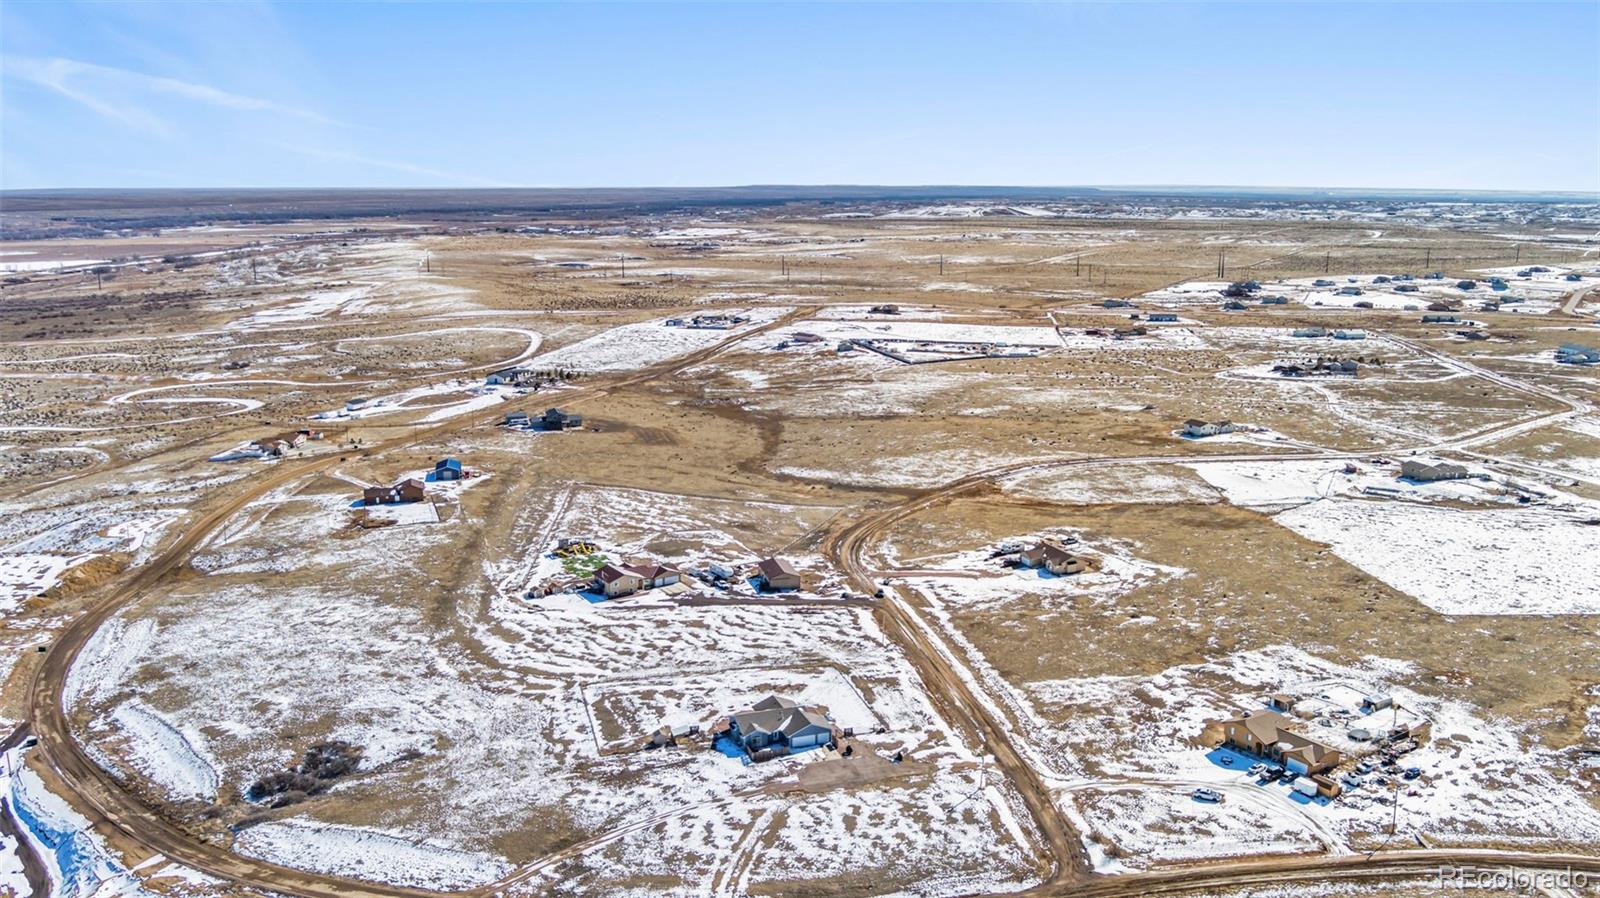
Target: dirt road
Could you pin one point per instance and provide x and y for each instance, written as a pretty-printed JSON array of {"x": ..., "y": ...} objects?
[
  {"x": 96, "y": 794},
  {"x": 93, "y": 792},
  {"x": 953, "y": 692}
]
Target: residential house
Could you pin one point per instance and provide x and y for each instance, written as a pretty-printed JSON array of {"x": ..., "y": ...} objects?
[
  {"x": 1466, "y": 285},
  {"x": 408, "y": 490},
  {"x": 779, "y": 725},
  {"x": 447, "y": 469},
  {"x": 623, "y": 580},
  {"x": 556, "y": 419},
  {"x": 1274, "y": 300},
  {"x": 654, "y": 576},
  {"x": 1573, "y": 354},
  {"x": 1267, "y": 733},
  {"x": 1440, "y": 319},
  {"x": 1349, "y": 335},
  {"x": 1349, "y": 291},
  {"x": 806, "y": 337},
  {"x": 1309, "y": 332},
  {"x": 885, "y": 309},
  {"x": 1427, "y": 472},
  {"x": 1233, "y": 305},
  {"x": 1194, "y": 427},
  {"x": 777, "y": 574},
  {"x": 1377, "y": 701},
  {"x": 1053, "y": 557},
  {"x": 280, "y": 444},
  {"x": 514, "y": 377},
  {"x": 516, "y": 419},
  {"x": 615, "y": 581},
  {"x": 1116, "y": 304},
  {"x": 1322, "y": 282},
  {"x": 1163, "y": 316}
]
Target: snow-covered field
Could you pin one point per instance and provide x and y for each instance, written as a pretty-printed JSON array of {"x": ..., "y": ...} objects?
[
  {"x": 645, "y": 343},
  {"x": 879, "y": 328},
  {"x": 1460, "y": 561},
  {"x": 1109, "y": 484},
  {"x": 1416, "y": 537},
  {"x": 39, "y": 545},
  {"x": 1483, "y": 779},
  {"x": 1538, "y": 293},
  {"x": 982, "y": 582},
  {"x": 1136, "y": 827},
  {"x": 364, "y": 853},
  {"x": 534, "y": 723},
  {"x": 628, "y": 710}
]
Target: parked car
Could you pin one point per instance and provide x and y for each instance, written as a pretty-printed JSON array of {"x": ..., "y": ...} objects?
[
  {"x": 1364, "y": 767},
  {"x": 1257, "y": 769},
  {"x": 1412, "y": 773},
  {"x": 1210, "y": 795},
  {"x": 1290, "y": 776},
  {"x": 1351, "y": 781}
]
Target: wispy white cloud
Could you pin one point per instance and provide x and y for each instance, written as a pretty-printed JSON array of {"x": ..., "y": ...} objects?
[
  {"x": 395, "y": 165},
  {"x": 78, "y": 81}
]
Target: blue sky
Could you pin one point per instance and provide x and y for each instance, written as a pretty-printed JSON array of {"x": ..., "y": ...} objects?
[{"x": 1397, "y": 95}]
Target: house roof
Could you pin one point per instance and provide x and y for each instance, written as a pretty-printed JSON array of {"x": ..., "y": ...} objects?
[
  {"x": 776, "y": 567},
  {"x": 452, "y": 463},
  {"x": 609, "y": 573},
  {"x": 1048, "y": 550},
  {"x": 649, "y": 571},
  {"x": 779, "y": 715},
  {"x": 1271, "y": 728}
]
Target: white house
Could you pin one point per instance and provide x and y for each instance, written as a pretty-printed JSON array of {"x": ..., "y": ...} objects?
[{"x": 1194, "y": 427}]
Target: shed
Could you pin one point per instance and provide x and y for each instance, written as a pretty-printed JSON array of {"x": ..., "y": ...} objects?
[{"x": 447, "y": 469}]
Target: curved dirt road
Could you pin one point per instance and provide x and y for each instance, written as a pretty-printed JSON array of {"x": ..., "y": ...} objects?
[
  {"x": 93, "y": 792},
  {"x": 96, "y": 794}
]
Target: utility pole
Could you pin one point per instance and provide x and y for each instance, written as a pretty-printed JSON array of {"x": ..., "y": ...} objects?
[
  {"x": 624, "y": 258},
  {"x": 1222, "y": 268},
  {"x": 941, "y": 265},
  {"x": 252, "y": 271},
  {"x": 1427, "y": 260},
  {"x": 1519, "y": 255},
  {"x": 1327, "y": 259},
  {"x": 1079, "y": 271}
]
